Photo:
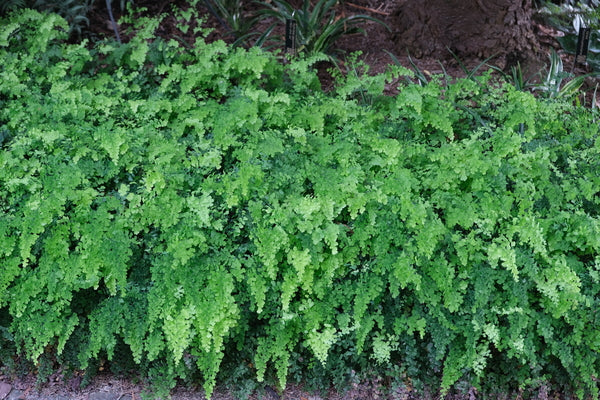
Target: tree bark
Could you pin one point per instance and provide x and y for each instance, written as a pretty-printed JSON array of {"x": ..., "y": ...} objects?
[{"x": 469, "y": 28}]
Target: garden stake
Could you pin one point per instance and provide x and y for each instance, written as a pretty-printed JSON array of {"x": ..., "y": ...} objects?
[
  {"x": 583, "y": 42},
  {"x": 290, "y": 36}
]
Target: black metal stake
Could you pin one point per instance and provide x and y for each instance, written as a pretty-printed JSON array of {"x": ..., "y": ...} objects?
[
  {"x": 290, "y": 36},
  {"x": 583, "y": 44}
]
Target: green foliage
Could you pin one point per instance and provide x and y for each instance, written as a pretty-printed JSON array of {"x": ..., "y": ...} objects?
[
  {"x": 554, "y": 81},
  {"x": 568, "y": 17},
  {"x": 74, "y": 11},
  {"x": 240, "y": 23},
  {"x": 562, "y": 15},
  {"x": 551, "y": 79},
  {"x": 11, "y": 5},
  {"x": 202, "y": 205},
  {"x": 121, "y": 3},
  {"x": 318, "y": 27}
]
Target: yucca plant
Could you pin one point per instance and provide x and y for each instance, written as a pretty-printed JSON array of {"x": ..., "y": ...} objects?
[
  {"x": 518, "y": 79},
  {"x": 548, "y": 81},
  {"x": 240, "y": 25},
  {"x": 553, "y": 79},
  {"x": 317, "y": 27}
]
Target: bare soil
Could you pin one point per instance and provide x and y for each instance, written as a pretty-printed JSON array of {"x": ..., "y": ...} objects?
[
  {"x": 107, "y": 386},
  {"x": 374, "y": 44}
]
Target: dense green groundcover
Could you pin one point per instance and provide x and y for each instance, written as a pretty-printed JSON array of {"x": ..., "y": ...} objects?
[{"x": 207, "y": 209}]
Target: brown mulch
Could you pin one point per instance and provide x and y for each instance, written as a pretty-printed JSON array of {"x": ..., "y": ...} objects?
[
  {"x": 110, "y": 387},
  {"x": 374, "y": 44}
]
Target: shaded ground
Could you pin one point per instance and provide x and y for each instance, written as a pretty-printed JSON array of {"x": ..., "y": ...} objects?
[
  {"x": 374, "y": 44},
  {"x": 109, "y": 387}
]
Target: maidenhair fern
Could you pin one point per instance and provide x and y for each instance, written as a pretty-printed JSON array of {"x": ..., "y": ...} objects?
[{"x": 213, "y": 204}]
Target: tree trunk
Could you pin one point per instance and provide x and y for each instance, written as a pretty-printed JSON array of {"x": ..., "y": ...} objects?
[{"x": 469, "y": 28}]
